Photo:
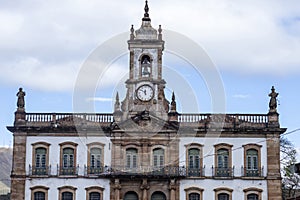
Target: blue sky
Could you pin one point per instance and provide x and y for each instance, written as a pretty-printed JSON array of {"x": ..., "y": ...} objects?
[{"x": 253, "y": 45}]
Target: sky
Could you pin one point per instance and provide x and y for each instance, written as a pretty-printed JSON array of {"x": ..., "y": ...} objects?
[{"x": 253, "y": 45}]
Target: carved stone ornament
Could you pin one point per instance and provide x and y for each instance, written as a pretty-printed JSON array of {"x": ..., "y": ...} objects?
[
  {"x": 273, "y": 101},
  {"x": 21, "y": 100}
]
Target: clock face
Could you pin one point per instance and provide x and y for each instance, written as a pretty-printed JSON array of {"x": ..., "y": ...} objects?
[{"x": 144, "y": 93}]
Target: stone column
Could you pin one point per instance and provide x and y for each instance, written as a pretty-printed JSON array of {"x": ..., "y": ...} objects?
[
  {"x": 144, "y": 187},
  {"x": 172, "y": 188}
]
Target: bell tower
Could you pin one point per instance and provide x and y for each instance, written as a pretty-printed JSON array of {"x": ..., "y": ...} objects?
[{"x": 145, "y": 86}]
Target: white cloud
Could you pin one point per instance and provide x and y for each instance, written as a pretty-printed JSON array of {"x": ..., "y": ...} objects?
[
  {"x": 43, "y": 43},
  {"x": 31, "y": 72}
]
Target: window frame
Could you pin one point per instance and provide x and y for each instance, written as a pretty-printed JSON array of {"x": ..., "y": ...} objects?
[
  {"x": 259, "y": 167},
  {"x": 39, "y": 188},
  {"x": 66, "y": 189},
  {"x": 63, "y": 146},
  {"x": 227, "y": 147},
  {"x": 91, "y": 189},
  {"x": 89, "y": 159},
  {"x": 191, "y": 190},
  {"x": 253, "y": 190},
  {"x": 199, "y": 147},
  {"x": 221, "y": 190},
  {"x": 161, "y": 157},
  {"x": 131, "y": 165},
  {"x": 36, "y": 146}
]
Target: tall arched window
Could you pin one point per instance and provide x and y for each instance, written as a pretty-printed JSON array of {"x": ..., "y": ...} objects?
[
  {"x": 194, "y": 162},
  {"x": 131, "y": 196},
  {"x": 252, "y": 162},
  {"x": 223, "y": 162},
  {"x": 158, "y": 196},
  {"x": 158, "y": 157},
  {"x": 68, "y": 161},
  {"x": 95, "y": 157},
  {"x": 40, "y": 161},
  {"x": 95, "y": 160},
  {"x": 158, "y": 161},
  {"x": 68, "y": 158},
  {"x": 131, "y": 158}
]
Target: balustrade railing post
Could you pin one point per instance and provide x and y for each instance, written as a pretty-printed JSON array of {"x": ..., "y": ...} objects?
[{"x": 54, "y": 118}]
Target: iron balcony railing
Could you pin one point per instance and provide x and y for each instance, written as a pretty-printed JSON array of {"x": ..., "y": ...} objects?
[
  {"x": 90, "y": 170},
  {"x": 67, "y": 171},
  {"x": 223, "y": 172},
  {"x": 195, "y": 172},
  {"x": 168, "y": 171},
  {"x": 165, "y": 171},
  {"x": 252, "y": 172},
  {"x": 39, "y": 171}
]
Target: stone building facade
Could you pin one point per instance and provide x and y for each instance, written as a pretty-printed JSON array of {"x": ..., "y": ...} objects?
[{"x": 145, "y": 149}]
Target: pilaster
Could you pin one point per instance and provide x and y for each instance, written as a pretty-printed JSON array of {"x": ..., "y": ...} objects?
[
  {"x": 18, "y": 173},
  {"x": 273, "y": 170}
]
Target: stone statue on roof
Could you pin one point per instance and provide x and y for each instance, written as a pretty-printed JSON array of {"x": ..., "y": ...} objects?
[
  {"x": 21, "y": 101},
  {"x": 273, "y": 100}
]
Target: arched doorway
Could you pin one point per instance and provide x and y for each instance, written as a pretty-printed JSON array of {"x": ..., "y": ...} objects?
[
  {"x": 158, "y": 196},
  {"x": 131, "y": 196}
]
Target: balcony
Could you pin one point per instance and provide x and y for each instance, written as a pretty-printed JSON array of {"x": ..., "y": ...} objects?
[
  {"x": 251, "y": 173},
  {"x": 162, "y": 172},
  {"x": 221, "y": 172},
  {"x": 39, "y": 171},
  {"x": 195, "y": 172},
  {"x": 93, "y": 171},
  {"x": 67, "y": 171}
]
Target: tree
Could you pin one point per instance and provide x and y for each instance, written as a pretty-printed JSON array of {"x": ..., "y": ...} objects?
[{"x": 290, "y": 180}]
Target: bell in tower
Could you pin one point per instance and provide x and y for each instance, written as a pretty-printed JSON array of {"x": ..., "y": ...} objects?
[{"x": 146, "y": 66}]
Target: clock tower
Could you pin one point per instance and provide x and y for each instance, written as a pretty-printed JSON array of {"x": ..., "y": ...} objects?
[{"x": 145, "y": 86}]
